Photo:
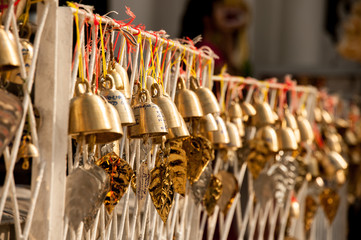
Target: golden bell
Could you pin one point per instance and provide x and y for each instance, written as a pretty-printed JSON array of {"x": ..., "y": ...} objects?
[
  {"x": 206, "y": 97},
  {"x": 269, "y": 135},
  {"x": 125, "y": 88},
  {"x": 248, "y": 111},
  {"x": 234, "y": 137},
  {"x": 88, "y": 113},
  {"x": 187, "y": 102},
  {"x": 333, "y": 142},
  {"x": 113, "y": 134},
  {"x": 235, "y": 110},
  {"x": 27, "y": 52},
  {"x": 292, "y": 123},
  {"x": 240, "y": 126},
  {"x": 168, "y": 107},
  {"x": 220, "y": 137},
  {"x": 9, "y": 58},
  {"x": 306, "y": 132},
  {"x": 118, "y": 100},
  {"x": 149, "y": 118},
  {"x": 178, "y": 132},
  {"x": 208, "y": 123},
  {"x": 264, "y": 114},
  {"x": 337, "y": 160},
  {"x": 326, "y": 117},
  {"x": 27, "y": 150},
  {"x": 118, "y": 81},
  {"x": 286, "y": 138}
]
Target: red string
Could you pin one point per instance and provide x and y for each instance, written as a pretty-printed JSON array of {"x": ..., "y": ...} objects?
[{"x": 165, "y": 54}]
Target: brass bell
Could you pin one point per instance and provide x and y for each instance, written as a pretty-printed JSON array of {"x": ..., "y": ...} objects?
[
  {"x": 178, "y": 132},
  {"x": 248, "y": 111},
  {"x": 333, "y": 142},
  {"x": 187, "y": 102},
  {"x": 264, "y": 114},
  {"x": 208, "y": 123},
  {"x": 292, "y": 123},
  {"x": 27, "y": 150},
  {"x": 220, "y": 137},
  {"x": 88, "y": 113},
  {"x": 306, "y": 132},
  {"x": 114, "y": 133},
  {"x": 118, "y": 100},
  {"x": 286, "y": 138},
  {"x": 125, "y": 87},
  {"x": 337, "y": 160},
  {"x": 9, "y": 58},
  {"x": 118, "y": 81},
  {"x": 269, "y": 135},
  {"x": 149, "y": 118},
  {"x": 234, "y": 137},
  {"x": 27, "y": 52},
  {"x": 206, "y": 97},
  {"x": 240, "y": 126},
  {"x": 326, "y": 117},
  {"x": 168, "y": 107},
  {"x": 235, "y": 110}
]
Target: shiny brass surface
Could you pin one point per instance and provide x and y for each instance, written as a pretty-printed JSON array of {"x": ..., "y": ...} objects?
[
  {"x": 87, "y": 112},
  {"x": 178, "y": 132},
  {"x": 125, "y": 87},
  {"x": 235, "y": 110},
  {"x": 305, "y": 128},
  {"x": 168, "y": 107},
  {"x": 269, "y": 135},
  {"x": 240, "y": 126},
  {"x": 187, "y": 102},
  {"x": 206, "y": 97},
  {"x": 229, "y": 190},
  {"x": 264, "y": 114},
  {"x": 286, "y": 139},
  {"x": 9, "y": 58},
  {"x": 213, "y": 194},
  {"x": 118, "y": 100},
  {"x": 220, "y": 137},
  {"x": 337, "y": 160},
  {"x": 234, "y": 137},
  {"x": 208, "y": 123}
]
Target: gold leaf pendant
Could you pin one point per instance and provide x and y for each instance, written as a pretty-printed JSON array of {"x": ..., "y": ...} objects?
[
  {"x": 199, "y": 152},
  {"x": 330, "y": 200},
  {"x": 161, "y": 187},
  {"x": 177, "y": 163},
  {"x": 213, "y": 194},
  {"x": 120, "y": 175}
]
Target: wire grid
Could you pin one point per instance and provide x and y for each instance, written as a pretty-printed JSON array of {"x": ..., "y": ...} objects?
[{"x": 22, "y": 226}]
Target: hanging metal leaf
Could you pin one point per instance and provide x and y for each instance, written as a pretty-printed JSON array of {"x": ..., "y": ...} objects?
[
  {"x": 161, "y": 188},
  {"x": 213, "y": 194},
  {"x": 199, "y": 152},
  {"x": 229, "y": 190},
  {"x": 256, "y": 163},
  {"x": 263, "y": 188},
  {"x": 120, "y": 175},
  {"x": 177, "y": 163},
  {"x": 330, "y": 201},
  {"x": 11, "y": 112},
  {"x": 199, "y": 188},
  {"x": 310, "y": 212}
]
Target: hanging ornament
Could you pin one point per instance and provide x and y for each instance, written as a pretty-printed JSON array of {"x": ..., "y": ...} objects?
[
  {"x": 229, "y": 190},
  {"x": 310, "y": 212},
  {"x": 199, "y": 153},
  {"x": 161, "y": 187},
  {"x": 213, "y": 194},
  {"x": 200, "y": 187},
  {"x": 177, "y": 162},
  {"x": 330, "y": 201},
  {"x": 120, "y": 174},
  {"x": 27, "y": 150}
]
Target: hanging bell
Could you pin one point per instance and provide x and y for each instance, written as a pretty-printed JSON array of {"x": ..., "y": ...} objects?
[
  {"x": 240, "y": 126},
  {"x": 220, "y": 137},
  {"x": 235, "y": 110},
  {"x": 206, "y": 97},
  {"x": 187, "y": 102},
  {"x": 9, "y": 58},
  {"x": 27, "y": 150},
  {"x": 292, "y": 123},
  {"x": 118, "y": 100},
  {"x": 305, "y": 128},
  {"x": 125, "y": 86},
  {"x": 114, "y": 133},
  {"x": 326, "y": 117},
  {"x": 264, "y": 114},
  {"x": 27, "y": 52},
  {"x": 168, "y": 107},
  {"x": 234, "y": 137},
  {"x": 337, "y": 160},
  {"x": 208, "y": 123},
  {"x": 88, "y": 113},
  {"x": 286, "y": 138},
  {"x": 334, "y": 142},
  {"x": 149, "y": 118},
  {"x": 178, "y": 132},
  {"x": 149, "y": 82},
  {"x": 248, "y": 111},
  {"x": 269, "y": 136}
]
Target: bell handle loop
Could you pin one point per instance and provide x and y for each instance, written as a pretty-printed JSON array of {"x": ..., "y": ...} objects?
[
  {"x": 87, "y": 86},
  {"x": 27, "y": 138},
  {"x": 156, "y": 91},
  {"x": 109, "y": 78},
  {"x": 144, "y": 93},
  {"x": 194, "y": 83},
  {"x": 181, "y": 84}
]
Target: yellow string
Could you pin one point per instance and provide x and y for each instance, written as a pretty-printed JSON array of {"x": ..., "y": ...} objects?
[
  {"x": 223, "y": 71},
  {"x": 265, "y": 92},
  {"x": 103, "y": 51},
  {"x": 209, "y": 72},
  {"x": 72, "y": 5},
  {"x": 141, "y": 65}
]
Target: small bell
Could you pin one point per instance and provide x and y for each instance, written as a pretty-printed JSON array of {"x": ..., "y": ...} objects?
[
  {"x": 187, "y": 102},
  {"x": 178, "y": 132},
  {"x": 125, "y": 87},
  {"x": 9, "y": 58},
  {"x": 27, "y": 150},
  {"x": 264, "y": 114},
  {"x": 306, "y": 132},
  {"x": 286, "y": 138},
  {"x": 220, "y": 137},
  {"x": 208, "y": 123},
  {"x": 206, "y": 97},
  {"x": 269, "y": 136}
]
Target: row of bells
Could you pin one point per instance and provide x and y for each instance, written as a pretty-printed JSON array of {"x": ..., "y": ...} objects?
[{"x": 152, "y": 114}]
